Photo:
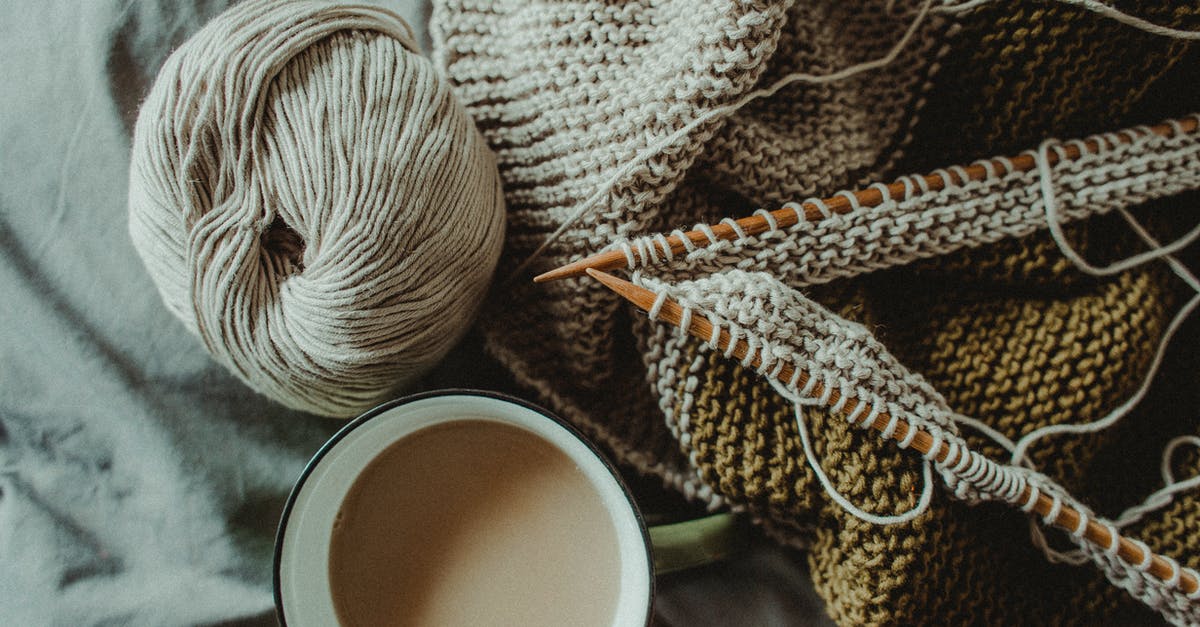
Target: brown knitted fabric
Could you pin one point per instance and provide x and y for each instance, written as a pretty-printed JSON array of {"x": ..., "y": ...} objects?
[
  {"x": 1018, "y": 72},
  {"x": 813, "y": 139},
  {"x": 1011, "y": 334}
]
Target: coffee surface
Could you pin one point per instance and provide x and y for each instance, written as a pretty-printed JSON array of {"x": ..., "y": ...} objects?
[{"x": 474, "y": 523}]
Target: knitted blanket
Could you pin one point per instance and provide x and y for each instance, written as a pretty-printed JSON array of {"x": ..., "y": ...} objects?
[{"x": 613, "y": 122}]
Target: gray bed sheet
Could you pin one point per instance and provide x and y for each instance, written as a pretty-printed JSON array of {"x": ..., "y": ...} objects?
[{"x": 140, "y": 483}]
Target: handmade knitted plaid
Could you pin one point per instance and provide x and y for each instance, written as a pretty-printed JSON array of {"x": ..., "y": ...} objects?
[{"x": 994, "y": 320}]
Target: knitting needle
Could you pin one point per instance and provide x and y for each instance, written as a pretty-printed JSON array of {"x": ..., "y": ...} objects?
[
  {"x": 1068, "y": 517},
  {"x": 870, "y": 197}
]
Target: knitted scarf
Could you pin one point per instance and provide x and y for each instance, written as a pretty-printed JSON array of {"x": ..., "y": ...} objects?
[{"x": 615, "y": 121}]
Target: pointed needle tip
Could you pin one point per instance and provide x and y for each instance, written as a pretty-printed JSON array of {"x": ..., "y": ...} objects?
[
  {"x": 563, "y": 272},
  {"x": 641, "y": 297},
  {"x": 619, "y": 286}
]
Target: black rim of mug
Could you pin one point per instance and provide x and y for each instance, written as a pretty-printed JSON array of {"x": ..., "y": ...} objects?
[{"x": 405, "y": 400}]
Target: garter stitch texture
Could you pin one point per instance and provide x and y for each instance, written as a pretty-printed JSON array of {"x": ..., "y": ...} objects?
[
  {"x": 313, "y": 203},
  {"x": 963, "y": 288}
]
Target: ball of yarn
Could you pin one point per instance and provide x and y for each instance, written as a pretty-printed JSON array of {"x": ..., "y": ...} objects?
[{"x": 313, "y": 203}]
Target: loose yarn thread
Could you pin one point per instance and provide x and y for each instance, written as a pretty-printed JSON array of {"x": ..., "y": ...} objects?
[
  {"x": 313, "y": 203},
  {"x": 1094, "y": 6},
  {"x": 1019, "y": 449},
  {"x": 810, "y": 456},
  {"x": 1165, "y": 495}
]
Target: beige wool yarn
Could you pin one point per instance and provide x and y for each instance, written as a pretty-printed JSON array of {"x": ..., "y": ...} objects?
[{"x": 313, "y": 203}]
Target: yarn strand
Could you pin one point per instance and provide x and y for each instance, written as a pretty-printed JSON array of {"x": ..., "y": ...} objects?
[
  {"x": 1097, "y": 7},
  {"x": 1164, "y": 496},
  {"x": 810, "y": 456},
  {"x": 1050, "y": 206}
]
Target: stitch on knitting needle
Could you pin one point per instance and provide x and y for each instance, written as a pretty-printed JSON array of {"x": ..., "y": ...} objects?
[
  {"x": 819, "y": 203},
  {"x": 655, "y": 148},
  {"x": 989, "y": 166},
  {"x": 843, "y": 396},
  {"x": 647, "y": 248},
  {"x": 688, "y": 244},
  {"x": 949, "y": 184},
  {"x": 1176, "y": 571},
  {"x": 751, "y": 351},
  {"x": 664, "y": 246},
  {"x": 772, "y": 223},
  {"x": 658, "y": 305},
  {"x": 885, "y": 192},
  {"x": 734, "y": 335},
  {"x": 853, "y": 417},
  {"x": 796, "y": 208},
  {"x": 626, "y": 247},
  {"x": 1096, "y": 7},
  {"x": 855, "y": 206},
  {"x": 1080, "y": 527},
  {"x": 685, "y": 319},
  {"x": 1143, "y": 565},
  {"x": 911, "y": 435},
  {"x": 1034, "y": 493},
  {"x": 735, "y": 227}
]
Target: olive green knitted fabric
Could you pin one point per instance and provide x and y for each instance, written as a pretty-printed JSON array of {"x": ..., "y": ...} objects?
[{"x": 1017, "y": 364}]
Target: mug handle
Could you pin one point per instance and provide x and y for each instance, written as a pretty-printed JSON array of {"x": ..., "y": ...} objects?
[{"x": 692, "y": 543}]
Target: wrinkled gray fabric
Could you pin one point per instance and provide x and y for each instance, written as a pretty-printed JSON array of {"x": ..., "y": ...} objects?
[{"x": 140, "y": 483}]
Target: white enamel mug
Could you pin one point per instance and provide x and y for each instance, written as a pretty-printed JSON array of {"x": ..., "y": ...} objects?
[{"x": 304, "y": 595}]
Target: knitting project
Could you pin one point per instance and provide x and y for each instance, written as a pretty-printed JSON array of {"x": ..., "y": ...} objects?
[
  {"x": 749, "y": 287},
  {"x": 933, "y": 304}
]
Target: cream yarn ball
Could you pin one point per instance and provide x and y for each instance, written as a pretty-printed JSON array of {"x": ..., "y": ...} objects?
[{"x": 313, "y": 203}]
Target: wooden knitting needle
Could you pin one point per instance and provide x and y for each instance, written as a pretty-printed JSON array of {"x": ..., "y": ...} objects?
[
  {"x": 869, "y": 197},
  {"x": 1068, "y": 517}
]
